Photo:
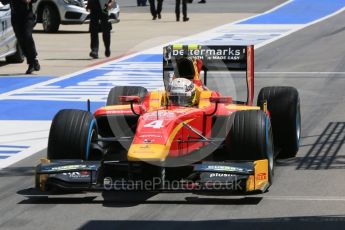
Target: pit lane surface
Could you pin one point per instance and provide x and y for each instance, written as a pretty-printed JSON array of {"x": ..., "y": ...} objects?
[{"x": 308, "y": 191}]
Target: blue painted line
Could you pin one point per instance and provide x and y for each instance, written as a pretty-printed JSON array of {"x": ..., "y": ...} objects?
[
  {"x": 39, "y": 110},
  {"x": 4, "y": 157},
  {"x": 145, "y": 58},
  {"x": 12, "y": 83},
  {"x": 299, "y": 12},
  {"x": 8, "y": 152},
  {"x": 14, "y": 146}
]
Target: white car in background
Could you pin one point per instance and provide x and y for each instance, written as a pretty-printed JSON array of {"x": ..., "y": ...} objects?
[
  {"x": 9, "y": 47},
  {"x": 52, "y": 13}
]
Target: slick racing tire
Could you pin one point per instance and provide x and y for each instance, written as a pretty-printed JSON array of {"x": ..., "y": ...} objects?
[
  {"x": 283, "y": 104},
  {"x": 113, "y": 96},
  {"x": 71, "y": 134},
  {"x": 250, "y": 138}
]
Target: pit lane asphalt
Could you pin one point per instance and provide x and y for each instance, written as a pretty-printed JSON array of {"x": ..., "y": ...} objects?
[
  {"x": 131, "y": 34},
  {"x": 308, "y": 191}
]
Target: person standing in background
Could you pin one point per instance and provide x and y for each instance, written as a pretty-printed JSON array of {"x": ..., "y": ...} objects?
[
  {"x": 141, "y": 2},
  {"x": 156, "y": 12},
  {"x": 99, "y": 19},
  {"x": 184, "y": 10},
  {"x": 23, "y": 21}
]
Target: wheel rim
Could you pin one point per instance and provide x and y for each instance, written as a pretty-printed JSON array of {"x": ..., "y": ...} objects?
[{"x": 46, "y": 21}]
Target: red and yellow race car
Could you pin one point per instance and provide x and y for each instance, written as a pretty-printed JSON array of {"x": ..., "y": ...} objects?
[{"x": 184, "y": 137}]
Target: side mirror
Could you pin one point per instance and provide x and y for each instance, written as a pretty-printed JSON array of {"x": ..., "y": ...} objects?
[
  {"x": 225, "y": 100},
  {"x": 129, "y": 99}
]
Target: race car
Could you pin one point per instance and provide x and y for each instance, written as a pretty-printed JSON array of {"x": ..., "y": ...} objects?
[{"x": 183, "y": 137}]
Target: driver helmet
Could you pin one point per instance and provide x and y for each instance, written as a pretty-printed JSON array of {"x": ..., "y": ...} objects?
[{"x": 182, "y": 92}]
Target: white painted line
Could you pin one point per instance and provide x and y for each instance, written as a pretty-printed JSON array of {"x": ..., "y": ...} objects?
[
  {"x": 22, "y": 133},
  {"x": 306, "y": 198},
  {"x": 24, "y": 154}
]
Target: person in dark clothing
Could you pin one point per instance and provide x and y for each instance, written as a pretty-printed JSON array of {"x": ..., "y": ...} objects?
[
  {"x": 184, "y": 10},
  {"x": 141, "y": 2},
  {"x": 23, "y": 21},
  {"x": 156, "y": 12},
  {"x": 99, "y": 20}
]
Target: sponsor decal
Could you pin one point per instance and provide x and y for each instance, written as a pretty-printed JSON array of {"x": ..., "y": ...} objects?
[
  {"x": 81, "y": 174},
  {"x": 261, "y": 176},
  {"x": 73, "y": 167},
  {"x": 68, "y": 167},
  {"x": 224, "y": 168},
  {"x": 211, "y": 53},
  {"x": 221, "y": 175},
  {"x": 162, "y": 115}
]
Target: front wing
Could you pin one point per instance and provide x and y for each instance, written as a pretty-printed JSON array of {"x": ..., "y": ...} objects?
[{"x": 244, "y": 177}]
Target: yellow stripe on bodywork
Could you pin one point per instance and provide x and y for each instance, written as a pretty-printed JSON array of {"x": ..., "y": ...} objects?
[
  {"x": 190, "y": 46},
  {"x": 114, "y": 107},
  {"x": 261, "y": 175},
  {"x": 147, "y": 152},
  {"x": 156, "y": 99},
  {"x": 242, "y": 107},
  {"x": 204, "y": 100},
  {"x": 260, "y": 180},
  {"x": 177, "y": 46},
  {"x": 153, "y": 152},
  {"x": 193, "y": 46}
]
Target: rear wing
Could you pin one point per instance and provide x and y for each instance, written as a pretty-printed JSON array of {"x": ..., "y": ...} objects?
[{"x": 215, "y": 58}]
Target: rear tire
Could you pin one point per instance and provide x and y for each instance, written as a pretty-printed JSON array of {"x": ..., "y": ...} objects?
[
  {"x": 71, "y": 134},
  {"x": 17, "y": 57},
  {"x": 250, "y": 138},
  {"x": 283, "y": 103},
  {"x": 50, "y": 19},
  {"x": 113, "y": 96}
]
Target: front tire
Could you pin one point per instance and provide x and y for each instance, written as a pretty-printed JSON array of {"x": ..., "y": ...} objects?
[
  {"x": 250, "y": 138},
  {"x": 283, "y": 103},
  {"x": 113, "y": 96},
  {"x": 71, "y": 134}
]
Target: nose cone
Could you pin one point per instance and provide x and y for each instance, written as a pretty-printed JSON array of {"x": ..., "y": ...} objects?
[
  {"x": 147, "y": 152},
  {"x": 155, "y": 135}
]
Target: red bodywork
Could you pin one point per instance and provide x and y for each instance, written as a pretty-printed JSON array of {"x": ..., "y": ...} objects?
[{"x": 166, "y": 131}]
